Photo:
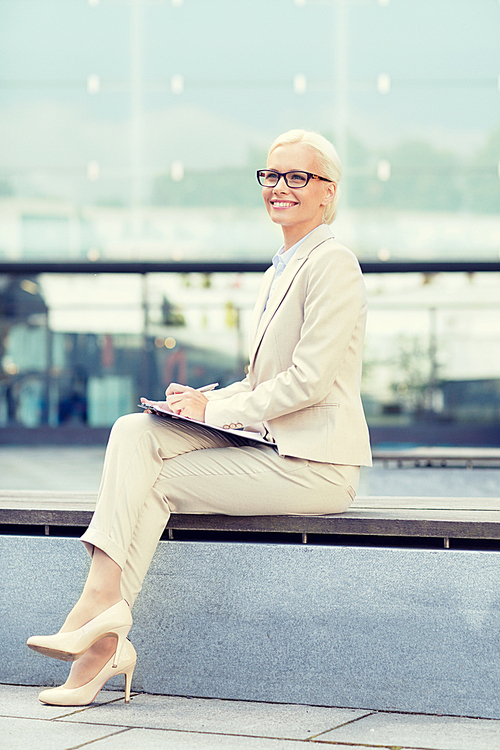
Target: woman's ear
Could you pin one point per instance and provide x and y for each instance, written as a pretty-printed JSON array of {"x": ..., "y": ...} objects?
[{"x": 331, "y": 189}]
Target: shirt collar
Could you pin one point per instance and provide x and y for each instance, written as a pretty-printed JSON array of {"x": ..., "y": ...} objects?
[{"x": 283, "y": 258}]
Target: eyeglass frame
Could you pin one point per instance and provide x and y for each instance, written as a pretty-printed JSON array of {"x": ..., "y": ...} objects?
[{"x": 310, "y": 176}]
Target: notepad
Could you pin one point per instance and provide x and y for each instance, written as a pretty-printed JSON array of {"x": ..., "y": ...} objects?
[{"x": 247, "y": 434}]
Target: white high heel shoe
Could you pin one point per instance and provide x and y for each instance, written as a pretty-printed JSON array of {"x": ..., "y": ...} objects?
[
  {"x": 116, "y": 620},
  {"x": 82, "y": 696}
]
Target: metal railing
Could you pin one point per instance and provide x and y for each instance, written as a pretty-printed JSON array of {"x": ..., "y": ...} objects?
[{"x": 18, "y": 268}]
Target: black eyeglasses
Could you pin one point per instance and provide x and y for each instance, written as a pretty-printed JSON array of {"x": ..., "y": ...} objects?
[{"x": 293, "y": 179}]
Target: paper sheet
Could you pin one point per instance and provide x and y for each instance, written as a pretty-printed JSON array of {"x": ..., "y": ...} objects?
[{"x": 255, "y": 436}]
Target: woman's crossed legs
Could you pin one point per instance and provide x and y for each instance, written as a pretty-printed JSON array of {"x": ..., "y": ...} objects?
[{"x": 155, "y": 466}]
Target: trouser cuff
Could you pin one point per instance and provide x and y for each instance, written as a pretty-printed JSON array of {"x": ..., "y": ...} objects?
[{"x": 95, "y": 538}]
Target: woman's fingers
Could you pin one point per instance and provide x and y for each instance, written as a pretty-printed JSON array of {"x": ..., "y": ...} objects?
[
  {"x": 190, "y": 403},
  {"x": 176, "y": 394},
  {"x": 177, "y": 388},
  {"x": 181, "y": 399},
  {"x": 155, "y": 404}
]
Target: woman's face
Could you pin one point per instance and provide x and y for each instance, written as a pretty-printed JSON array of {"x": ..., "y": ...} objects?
[{"x": 297, "y": 209}]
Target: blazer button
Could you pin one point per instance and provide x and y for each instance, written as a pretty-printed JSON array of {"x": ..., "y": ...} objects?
[
  {"x": 239, "y": 426},
  {"x": 225, "y": 427},
  {"x": 232, "y": 426}
]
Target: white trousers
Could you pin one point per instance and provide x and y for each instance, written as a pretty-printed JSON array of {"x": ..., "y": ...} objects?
[{"x": 155, "y": 466}]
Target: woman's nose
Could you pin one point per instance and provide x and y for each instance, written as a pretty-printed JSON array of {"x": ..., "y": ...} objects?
[{"x": 281, "y": 185}]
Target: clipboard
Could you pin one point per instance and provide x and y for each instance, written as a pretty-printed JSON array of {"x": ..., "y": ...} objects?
[{"x": 256, "y": 437}]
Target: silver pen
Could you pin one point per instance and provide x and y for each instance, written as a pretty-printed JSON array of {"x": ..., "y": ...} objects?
[{"x": 205, "y": 388}]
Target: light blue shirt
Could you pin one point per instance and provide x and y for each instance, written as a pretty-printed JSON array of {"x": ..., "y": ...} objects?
[{"x": 281, "y": 260}]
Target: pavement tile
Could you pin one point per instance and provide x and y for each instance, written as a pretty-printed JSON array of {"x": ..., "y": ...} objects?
[
  {"x": 282, "y": 721},
  {"x": 418, "y": 731},
  {"x": 157, "y": 739},
  {"x": 54, "y": 467},
  {"x": 22, "y": 702},
  {"x": 20, "y": 734}
]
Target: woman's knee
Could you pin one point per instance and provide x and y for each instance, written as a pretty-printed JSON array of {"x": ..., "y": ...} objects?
[{"x": 130, "y": 425}]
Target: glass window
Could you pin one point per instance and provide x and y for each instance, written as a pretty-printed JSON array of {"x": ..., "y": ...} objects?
[{"x": 132, "y": 130}]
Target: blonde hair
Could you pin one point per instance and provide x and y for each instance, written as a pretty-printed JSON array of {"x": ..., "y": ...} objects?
[{"x": 328, "y": 161}]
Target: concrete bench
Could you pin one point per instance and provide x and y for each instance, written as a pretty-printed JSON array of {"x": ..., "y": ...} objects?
[
  {"x": 439, "y": 456},
  {"x": 393, "y": 605},
  {"x": 398, "y": 517}
]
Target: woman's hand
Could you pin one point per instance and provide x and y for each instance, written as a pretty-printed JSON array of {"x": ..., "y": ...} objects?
[
  {"x": 162, "y": 405},
  {"x": 186, "y": 401}
]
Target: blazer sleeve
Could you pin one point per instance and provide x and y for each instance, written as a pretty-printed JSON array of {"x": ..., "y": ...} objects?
[
  {"x": 241, "y": 386},
  {"x": 330, "y": 304}
]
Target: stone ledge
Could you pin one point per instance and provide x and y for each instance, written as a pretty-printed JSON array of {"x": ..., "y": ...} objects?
[
  {"x": 453, "y": 456},
  {"x": 465, "y": 518},
  {"x": 411, "y": 630}
]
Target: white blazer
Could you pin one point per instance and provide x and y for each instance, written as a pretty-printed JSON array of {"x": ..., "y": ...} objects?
[{"x": 304, "y": 378}]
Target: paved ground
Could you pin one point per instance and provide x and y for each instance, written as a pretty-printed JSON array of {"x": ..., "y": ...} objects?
[
  {"x": 79, "y": 469},
  {"x": 151, "y": 722}
]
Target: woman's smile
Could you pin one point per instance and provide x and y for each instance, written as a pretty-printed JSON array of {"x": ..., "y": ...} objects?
[{"x": 282, "y": 204}]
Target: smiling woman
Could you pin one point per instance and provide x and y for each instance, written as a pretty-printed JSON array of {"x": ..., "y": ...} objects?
[
  {"x": 297, "y": 208},
  {"x": 321, "y": 151},
  {"x": 301, "y": 395}
]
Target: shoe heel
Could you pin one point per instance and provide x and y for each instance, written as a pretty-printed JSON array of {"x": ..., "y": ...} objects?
[
  {"x": 128, "y": 681},
  {"x": 121, "y": 634}
]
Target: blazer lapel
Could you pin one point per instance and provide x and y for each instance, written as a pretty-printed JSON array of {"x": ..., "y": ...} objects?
[
  {"x": 260, "y": 322},
  {"x": 267, "y": 280}
]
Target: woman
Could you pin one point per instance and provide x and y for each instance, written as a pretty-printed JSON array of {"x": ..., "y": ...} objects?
[{"x": 302, "y": 392}]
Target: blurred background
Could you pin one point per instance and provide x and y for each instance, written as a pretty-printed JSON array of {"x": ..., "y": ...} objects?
[{"x": 132, "y": 231}]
